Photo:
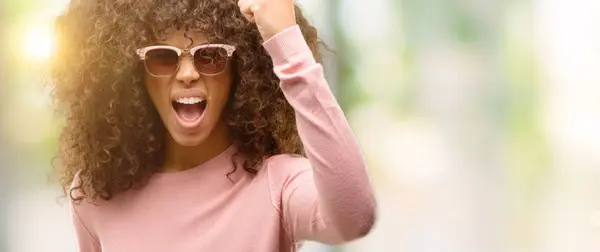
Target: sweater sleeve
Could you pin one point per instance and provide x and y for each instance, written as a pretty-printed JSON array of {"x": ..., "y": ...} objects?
[
  {"x": 85, "y": 241},
  {"x": 326, "y": 197}
]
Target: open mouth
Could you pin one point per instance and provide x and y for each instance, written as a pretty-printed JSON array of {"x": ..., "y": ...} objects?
[{"x": 189, "y": 110}]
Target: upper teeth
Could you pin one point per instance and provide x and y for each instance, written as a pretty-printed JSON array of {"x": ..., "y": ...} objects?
[{"x": 189, "y": 100}]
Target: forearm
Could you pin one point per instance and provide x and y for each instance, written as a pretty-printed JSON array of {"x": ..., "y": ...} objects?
[{"x": 345, "y": 197}]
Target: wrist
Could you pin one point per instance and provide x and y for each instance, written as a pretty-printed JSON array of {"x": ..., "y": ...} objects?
[
  {"x": 269, "y": 34},
  {"x": 288, "y": 44}
]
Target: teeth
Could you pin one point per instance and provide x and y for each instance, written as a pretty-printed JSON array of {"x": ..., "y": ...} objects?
[{"x": 189, "y": 100}]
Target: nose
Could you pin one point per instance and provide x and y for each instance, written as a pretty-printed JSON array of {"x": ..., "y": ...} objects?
[{"x": 187, "y": 72}]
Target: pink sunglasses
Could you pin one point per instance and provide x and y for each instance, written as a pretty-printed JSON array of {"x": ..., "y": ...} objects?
[{"x": 164, "y": 60}]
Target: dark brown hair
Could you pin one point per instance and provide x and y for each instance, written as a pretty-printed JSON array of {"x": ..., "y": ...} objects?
[{"x": 113, "y": 139}]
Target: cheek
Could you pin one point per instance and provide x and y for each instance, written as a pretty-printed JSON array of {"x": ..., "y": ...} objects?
[
  {"x": 156, "y": 88},
  {"x": 219, "y": 89}
]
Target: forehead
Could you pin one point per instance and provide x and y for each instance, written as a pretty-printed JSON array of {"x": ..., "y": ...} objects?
[{"x": 182, "y": 37}]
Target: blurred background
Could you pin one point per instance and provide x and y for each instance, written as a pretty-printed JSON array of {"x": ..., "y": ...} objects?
[{"x": 480, "y": 120}]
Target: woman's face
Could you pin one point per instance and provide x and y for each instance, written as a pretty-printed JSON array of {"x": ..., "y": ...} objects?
[{"x": 189, "y": 103}]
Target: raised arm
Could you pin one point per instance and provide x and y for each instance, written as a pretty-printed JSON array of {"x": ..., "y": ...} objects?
[{"x": 327, "y": 197}]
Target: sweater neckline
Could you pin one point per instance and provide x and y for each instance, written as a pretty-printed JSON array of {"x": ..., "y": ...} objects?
[{"x": 221, "y": 164}]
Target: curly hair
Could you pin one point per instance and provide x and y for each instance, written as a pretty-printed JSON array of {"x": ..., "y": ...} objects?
[{"x": 113, "y": 139}]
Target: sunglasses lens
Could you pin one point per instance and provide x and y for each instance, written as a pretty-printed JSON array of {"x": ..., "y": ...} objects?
[
  {"x": 210, "y": 60},
  {"x": 161, "y": 61}
]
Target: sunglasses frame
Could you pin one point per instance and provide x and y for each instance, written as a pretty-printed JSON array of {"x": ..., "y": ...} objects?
[{"x": 142, "y": 54}]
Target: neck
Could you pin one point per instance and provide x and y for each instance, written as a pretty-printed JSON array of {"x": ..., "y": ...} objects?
[{"x": 180, "y": 158}]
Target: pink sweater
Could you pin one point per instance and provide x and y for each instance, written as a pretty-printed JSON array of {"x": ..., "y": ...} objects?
[{"x": 326, "y": 197}]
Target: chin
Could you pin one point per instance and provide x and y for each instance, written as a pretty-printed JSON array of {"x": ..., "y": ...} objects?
[{"x": 188, "y": 140}]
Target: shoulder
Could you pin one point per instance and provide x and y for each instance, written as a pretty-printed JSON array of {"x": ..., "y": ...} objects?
[
  {"x": 76, "y": 194},
  {"x": 282, "y": 171},
  {"x": 286, "y": 160},
  {"x": 83, "y": 206},
  {"x": 77, "y": 199},
  {"x": 286, "y": 164},
  {"x": 283, "y": 168}
]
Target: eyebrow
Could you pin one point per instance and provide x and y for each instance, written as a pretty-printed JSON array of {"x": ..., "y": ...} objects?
[{"x": 203, "y": 43}]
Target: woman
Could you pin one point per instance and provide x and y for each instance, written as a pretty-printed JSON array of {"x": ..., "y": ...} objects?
[{"x": 203, "y": 125}]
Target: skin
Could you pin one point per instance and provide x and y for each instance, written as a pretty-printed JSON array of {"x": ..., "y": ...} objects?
[
  {"x": 270, "y": 16},
  {"x": 187, "y": 148}
]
